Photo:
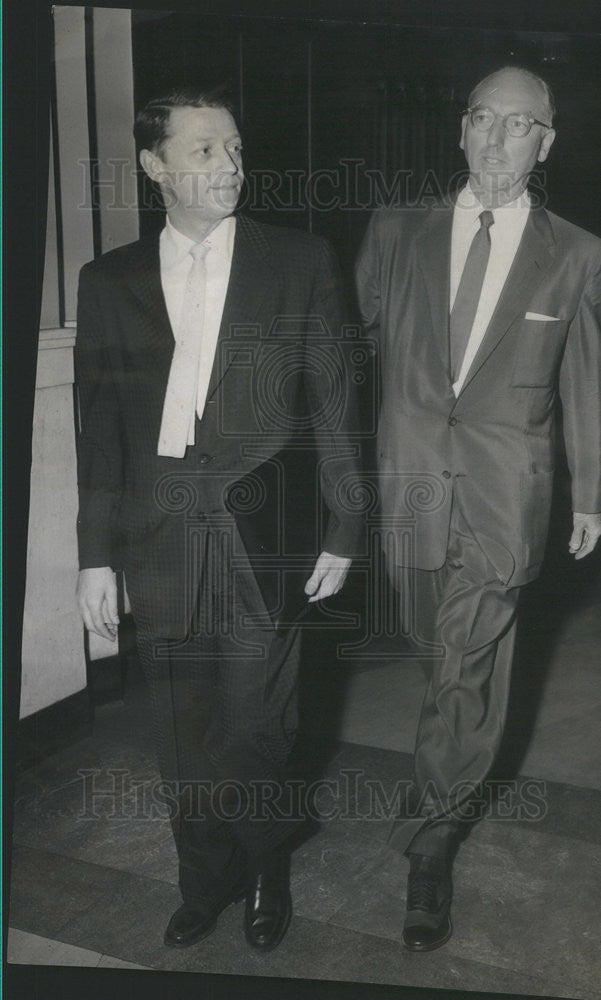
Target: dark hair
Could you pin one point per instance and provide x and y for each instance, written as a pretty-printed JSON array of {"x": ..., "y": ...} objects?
[{"x": 152, "y": 121}]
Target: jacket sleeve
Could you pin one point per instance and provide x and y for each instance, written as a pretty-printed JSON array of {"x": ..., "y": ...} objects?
[
  {"x": 332, "y": 403},
  {"x": 99, "y": 438},
  {"x": 580, "y": 390},
  {"x": 367, "y": 278}
]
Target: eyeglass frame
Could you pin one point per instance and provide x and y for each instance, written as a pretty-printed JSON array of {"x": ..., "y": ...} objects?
[{"x": 531, "y": 121}]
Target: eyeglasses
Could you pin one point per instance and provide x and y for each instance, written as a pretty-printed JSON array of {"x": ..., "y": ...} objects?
[{"x": 516, "y": 125}]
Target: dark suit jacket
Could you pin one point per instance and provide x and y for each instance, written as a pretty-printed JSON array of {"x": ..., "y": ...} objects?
[
  {"x": 279, "y": 365},
  {"x": 493, "y": 445}
]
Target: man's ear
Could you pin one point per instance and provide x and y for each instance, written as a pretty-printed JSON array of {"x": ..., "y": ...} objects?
[
  {"x": 152, "y": 165},
  {"x": 546, "y": 144},
  {"x": 463, "y": 128}
]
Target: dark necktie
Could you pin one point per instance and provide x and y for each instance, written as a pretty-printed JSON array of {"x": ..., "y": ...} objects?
[{"x": 468, "y": 294}]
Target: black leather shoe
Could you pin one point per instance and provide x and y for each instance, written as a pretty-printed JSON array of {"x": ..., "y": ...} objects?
[
  {"x": 429, "y": 892},
  {"x": 191, "y": 923},
  {"x": 268, "y": 907}
]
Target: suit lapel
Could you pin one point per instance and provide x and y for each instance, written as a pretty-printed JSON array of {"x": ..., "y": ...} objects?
[
  {"x": 143, "y": 278},
  {"x": 534, "y": 256},
  {"x": 251, "y": 278},
  {"x": 434, "y": 256}
]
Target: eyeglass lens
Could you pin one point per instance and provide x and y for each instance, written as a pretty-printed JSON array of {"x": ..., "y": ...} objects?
[{"x": 515, "y": 124}]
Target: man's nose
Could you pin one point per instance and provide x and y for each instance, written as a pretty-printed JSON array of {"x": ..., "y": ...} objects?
[
  {"x": 496, "y": 133},
  {"x": 228, "y": 162}
]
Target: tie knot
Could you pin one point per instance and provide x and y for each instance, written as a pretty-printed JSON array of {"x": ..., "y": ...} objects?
[
  {"x": 486, "y": 219},
  {"x": 200, "y": 250}
]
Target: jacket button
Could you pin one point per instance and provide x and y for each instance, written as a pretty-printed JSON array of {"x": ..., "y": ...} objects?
[
  {"x": 452, "y": 421},
  {"x": 205, "y": 459},
  {"x": 446, "y": 474}
]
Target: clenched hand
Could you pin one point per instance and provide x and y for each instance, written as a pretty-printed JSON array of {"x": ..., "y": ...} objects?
[
  {"x": 327, "y": 577},
  {"x": 587, "y": 529},
  {"x": 97, "y": 601}
]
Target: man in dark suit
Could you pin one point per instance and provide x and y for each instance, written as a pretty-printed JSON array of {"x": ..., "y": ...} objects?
[
  {"x": 489, "y": 312},
  {"x": 203, "y": 357}
]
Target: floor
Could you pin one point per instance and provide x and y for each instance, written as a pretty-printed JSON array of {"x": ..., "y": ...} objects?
[{"x": 96, "y": 890}]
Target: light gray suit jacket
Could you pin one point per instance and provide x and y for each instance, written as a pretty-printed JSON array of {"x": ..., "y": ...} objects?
[{"x": 492, "y": 446}]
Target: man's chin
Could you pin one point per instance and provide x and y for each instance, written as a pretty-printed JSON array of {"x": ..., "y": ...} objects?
[
  {"x": 225, "y": 199},
  {"x": 494, "y": 177},
  {"x": 496, "y": 185}
]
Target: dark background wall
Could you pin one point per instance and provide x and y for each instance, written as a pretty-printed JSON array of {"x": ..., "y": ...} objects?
[{"x": 314, "y": 95}]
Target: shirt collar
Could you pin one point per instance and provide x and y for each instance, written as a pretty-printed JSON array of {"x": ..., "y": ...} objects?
[
  {"x": 175, "y": 246},
  {"x": 469, "y": 203}
]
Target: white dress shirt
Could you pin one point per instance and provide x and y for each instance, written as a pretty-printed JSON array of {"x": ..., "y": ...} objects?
[
  {"x": 505, "y": 236},
  {"x": 176, "y": 263}
]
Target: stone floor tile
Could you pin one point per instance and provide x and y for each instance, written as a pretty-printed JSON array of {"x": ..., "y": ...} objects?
[
  {"x": 381, "y": 707},
  {"x": 569, "y": 751},
  {"x": 581, "y": 622},
  {"x": 48, "y": 891},
  {"x": 31, "y": 949},
  {"x": 122, "y": 829},
  {"x": 570, "y": 811},
  {"x": 324, "y": 871},
  {"x": 110, "y": 962}
]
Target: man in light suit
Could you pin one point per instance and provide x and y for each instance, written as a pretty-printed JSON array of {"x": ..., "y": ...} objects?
[
  {"x": 202, "y": 356},
  {"x": 489, "y": 312}
]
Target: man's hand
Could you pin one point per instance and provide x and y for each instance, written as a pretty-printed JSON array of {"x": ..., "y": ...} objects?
[
  {"x": 587, "y": 528},
  {"x": 97, "y": 601},
  {"x": 327, "y": 577}
]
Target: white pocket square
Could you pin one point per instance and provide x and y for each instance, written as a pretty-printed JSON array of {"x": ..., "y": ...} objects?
[{"x": 540, "y": 316}]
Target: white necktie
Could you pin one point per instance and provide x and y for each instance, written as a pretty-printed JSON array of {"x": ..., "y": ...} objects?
[{"x": 181, "y": 398}]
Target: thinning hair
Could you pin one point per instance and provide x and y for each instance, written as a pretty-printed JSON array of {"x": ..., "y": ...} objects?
[
  {"x": 547, "y": 92},
  {"x": 151, "y": 128}
]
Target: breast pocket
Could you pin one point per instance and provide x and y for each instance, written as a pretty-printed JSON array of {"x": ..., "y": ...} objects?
[{"x": 539, "y": 347}]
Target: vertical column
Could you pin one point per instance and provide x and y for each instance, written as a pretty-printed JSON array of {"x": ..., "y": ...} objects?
[
  {"x": 50, "y": 312},
  {"x": 73, "y": 161},
  {"x": 116, "y": 193},
  {"x": 53, "y": 655}
]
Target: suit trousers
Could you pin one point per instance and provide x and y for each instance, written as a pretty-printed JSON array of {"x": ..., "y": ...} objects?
[
  {"x": 224, "y": 714},
  {"x": 471, "y": 616}
]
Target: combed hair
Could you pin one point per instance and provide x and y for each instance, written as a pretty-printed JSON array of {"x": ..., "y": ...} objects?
[
  {"x": 152, "y": 121},
  {"x": 549, "y": 99}
]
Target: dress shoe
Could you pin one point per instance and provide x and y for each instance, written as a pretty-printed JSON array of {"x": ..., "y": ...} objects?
[
  {"x": 429, "y": 892},
  {"x": 191, "y": 923},
  {"x": 268, "y": 907}
]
